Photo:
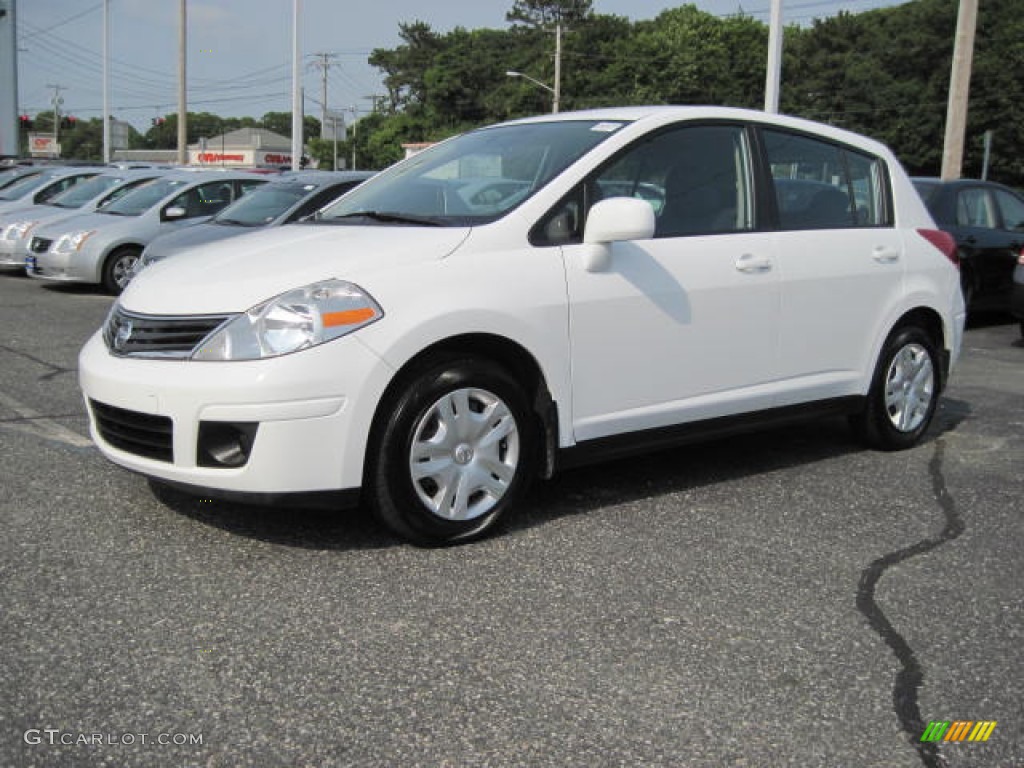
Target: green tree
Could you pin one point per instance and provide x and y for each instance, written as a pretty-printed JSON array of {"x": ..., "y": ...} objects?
[{"x": 547, "y": 13}]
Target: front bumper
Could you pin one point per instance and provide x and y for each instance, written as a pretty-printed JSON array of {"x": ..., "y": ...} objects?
[
  {"x": 313, "y": 411},
  {"x": 67, "y": 267},
  {"x": 10, "y": 255}
]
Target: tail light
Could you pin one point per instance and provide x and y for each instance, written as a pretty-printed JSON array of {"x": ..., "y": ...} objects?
[
  {"x": 944, "y": 242},
  {"x": 1020, "y": 258}
]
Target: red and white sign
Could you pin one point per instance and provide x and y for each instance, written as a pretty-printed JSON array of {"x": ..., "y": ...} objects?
[{"x": 43, "y": 144}]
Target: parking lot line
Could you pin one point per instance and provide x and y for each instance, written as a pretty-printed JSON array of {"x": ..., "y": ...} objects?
[{"x": 32, "y": 422}]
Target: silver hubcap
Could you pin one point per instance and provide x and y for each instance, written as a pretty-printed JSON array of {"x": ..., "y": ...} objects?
[
  {"x": 123, "y": 270},
  {"x": 909, "y": 387},
  {"x": 464, "y": 455}
]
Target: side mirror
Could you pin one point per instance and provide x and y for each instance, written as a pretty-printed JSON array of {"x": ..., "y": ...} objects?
[
  {"x": 619, "y": 218},
  {"x": 616, "y": 219},
  {"x": 174, "y": 212}
]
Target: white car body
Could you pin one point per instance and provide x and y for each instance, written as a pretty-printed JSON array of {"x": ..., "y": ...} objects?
[{"x": 636, "y": 337}]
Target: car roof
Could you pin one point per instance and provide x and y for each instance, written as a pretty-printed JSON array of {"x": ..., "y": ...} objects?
[
  {"x": 667, "y": 114},
  {"x": 934, "y": 181},
  {"x": 320, "y": 177},
  {"x": 73, "y": 170},
  {"x": 201, "y": 176}
]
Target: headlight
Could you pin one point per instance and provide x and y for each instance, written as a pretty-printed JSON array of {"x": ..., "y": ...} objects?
[
  {"x": 293, "y": 321},
  {"x": 18, "y": 229},
  {"x": 72, "y": 241}
]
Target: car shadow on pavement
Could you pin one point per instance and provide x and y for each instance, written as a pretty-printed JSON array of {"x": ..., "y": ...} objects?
[
  {"x": 574, "y": 492},
  {"x": 704, "y": 464},
  {"x": 322, "y": 529}
]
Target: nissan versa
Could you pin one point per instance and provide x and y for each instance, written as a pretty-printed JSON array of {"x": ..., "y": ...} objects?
[{"x": 531, "y": 295}]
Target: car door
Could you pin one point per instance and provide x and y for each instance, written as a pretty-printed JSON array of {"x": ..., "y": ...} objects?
[
  {"x": 985, "y": 253},
  {"x": 683, "y": 326},
  {"x": 999, "y": 275},
  {"x": 840, "y": 261}
]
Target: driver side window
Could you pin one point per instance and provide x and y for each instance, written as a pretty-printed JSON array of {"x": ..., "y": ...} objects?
[{"x": 696, "y": 178}]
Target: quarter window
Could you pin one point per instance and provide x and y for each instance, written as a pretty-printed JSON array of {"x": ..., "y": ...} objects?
[{"x": 1012, "y": 208}]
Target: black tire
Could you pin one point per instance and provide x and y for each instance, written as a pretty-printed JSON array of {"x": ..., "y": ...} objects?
[
  {"x": 477, "y": 467},
  {"x": 117, "y": 269},
  {"x": 899, "y": 410}
]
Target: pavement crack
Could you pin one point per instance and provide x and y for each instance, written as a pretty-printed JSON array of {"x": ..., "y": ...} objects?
[
  {"x": 910, "y": 678},
  {"x": 55, "y": 370}
]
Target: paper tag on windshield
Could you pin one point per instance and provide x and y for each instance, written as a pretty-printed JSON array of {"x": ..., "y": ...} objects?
[{"x": 606, "y": 127}]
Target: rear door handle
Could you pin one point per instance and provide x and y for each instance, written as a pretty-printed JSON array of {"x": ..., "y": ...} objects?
[
  {"x": 750, "y": 264},
  {"x": 884, "y": 255}
]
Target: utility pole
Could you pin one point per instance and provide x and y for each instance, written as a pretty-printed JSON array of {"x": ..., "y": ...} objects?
[
  {"x": 959, "y": 87},
  {"x": 106, "y": 81},
  {"x": 557, "y": 91},
  {"x": 9, "y": 137},
  {"x": 296, "y": 88},
  {"x": 773, "y": 73},
  {"x": 57, "y": 100},
  {"x": 324, "y": 64},
  {"x": 182, "y": 100}
]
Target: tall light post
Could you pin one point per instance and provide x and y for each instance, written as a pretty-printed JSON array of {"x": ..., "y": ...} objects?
[
  {"x": 539, "y": 84},
  {"x": 296, "y": 88}
]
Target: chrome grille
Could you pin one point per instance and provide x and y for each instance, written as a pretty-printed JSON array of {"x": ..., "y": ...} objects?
[
  {"x": 140, "y": 433},
  {"x": 175, "y": 337},
  {"x": 40, "y": 244}
]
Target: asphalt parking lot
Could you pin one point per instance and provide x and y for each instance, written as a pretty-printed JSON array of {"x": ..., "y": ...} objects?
[{"x": 782, "y": 599}]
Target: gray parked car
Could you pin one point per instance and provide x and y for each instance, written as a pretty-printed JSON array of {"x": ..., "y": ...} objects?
[
  {"x": 32, "y": 190},
  {"x": 102, "y": 247},
  {"x": 17, "y": 226},
  {"x": 285, "y": 199},
  {"x": 11, "y": 173}
]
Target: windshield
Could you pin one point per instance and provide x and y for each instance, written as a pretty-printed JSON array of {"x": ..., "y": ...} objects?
[
  {"x": 80, "y": 194},
  {"x": 264, "y": 204},
  {"x": 22, "y": 187},
  {"x": 142, "y": 199},
  {"x": 475, "y": 178}
]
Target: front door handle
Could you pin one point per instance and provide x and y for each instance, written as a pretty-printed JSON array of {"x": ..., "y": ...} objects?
[
  {"x": 750, "y": 264},
  {"x": 884, "y": 255}
]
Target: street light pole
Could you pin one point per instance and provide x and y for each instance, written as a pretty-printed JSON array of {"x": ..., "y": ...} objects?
[{"x": 554, "y": 93}]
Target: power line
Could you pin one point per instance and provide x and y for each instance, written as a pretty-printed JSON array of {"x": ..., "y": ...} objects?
[{"x": 52, "y": 27}]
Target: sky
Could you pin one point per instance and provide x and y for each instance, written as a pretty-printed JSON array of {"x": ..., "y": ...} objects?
[{"x": 239, "y": 52}]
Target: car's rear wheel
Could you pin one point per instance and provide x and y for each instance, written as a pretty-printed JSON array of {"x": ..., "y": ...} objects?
[
  {"x": 904, "y": 391},
  {"x": 117, "y": 269},
  {"x": 455, "y": 452}
]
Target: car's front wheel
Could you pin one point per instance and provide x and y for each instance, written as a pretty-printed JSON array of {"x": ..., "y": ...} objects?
[
  {"x": 117, "y": 269},
  {"x": 904, "y": 391},
  {"x": 455, "y": 451}
]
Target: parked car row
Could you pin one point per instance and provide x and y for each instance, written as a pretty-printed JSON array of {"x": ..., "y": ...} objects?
[{"x": 96, "y": 231}]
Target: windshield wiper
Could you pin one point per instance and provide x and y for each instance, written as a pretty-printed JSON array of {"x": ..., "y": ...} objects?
[{"x": 386, "y": 217}]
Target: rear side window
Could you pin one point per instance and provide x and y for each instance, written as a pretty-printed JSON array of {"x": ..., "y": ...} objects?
[
  {"x": 974, "y": 208},
  {"x": 820, "y": 185}
]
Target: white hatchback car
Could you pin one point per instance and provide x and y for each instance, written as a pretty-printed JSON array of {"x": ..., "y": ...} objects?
[{"x": 528, "y": 296}]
